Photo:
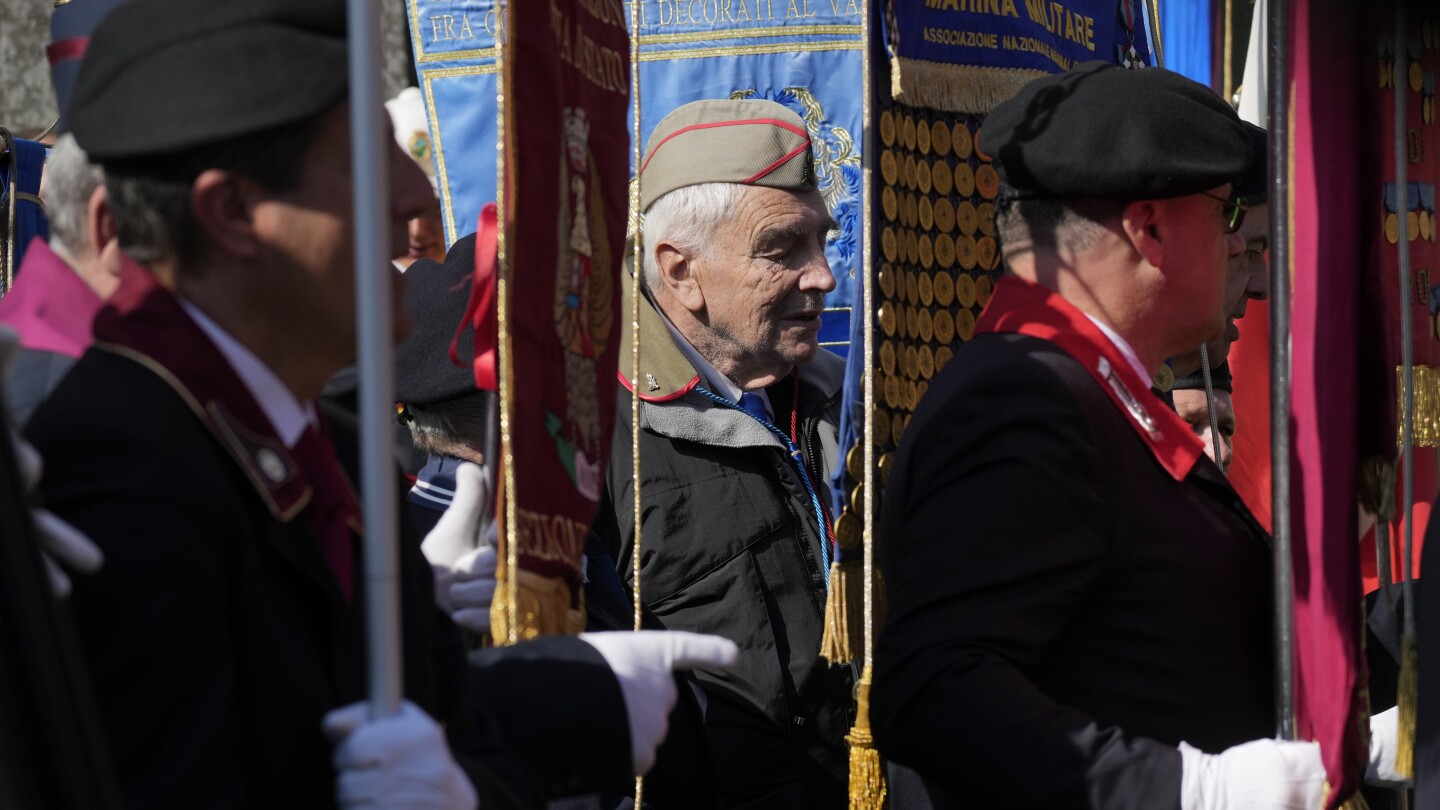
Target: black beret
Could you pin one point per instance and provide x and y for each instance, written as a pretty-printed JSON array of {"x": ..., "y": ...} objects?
[
  {"x": 161, "y": 76},
  {"x": 436, "y": 295},
  {"x": 1102, "y": 131},
  {"x": 70, "y": 29},
  {"x": 1254, "y": 184},
  {"x": 1220, "y": 380}
]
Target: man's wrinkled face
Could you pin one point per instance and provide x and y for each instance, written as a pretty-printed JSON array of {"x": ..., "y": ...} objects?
[
  {"x": 1190, "y": 404},
  {"x": 764, "y": 278},
  {"x": 1247, "y": 276}
]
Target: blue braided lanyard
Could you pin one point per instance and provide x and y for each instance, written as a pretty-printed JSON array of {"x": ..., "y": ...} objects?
[{"x": 799, "y": 460}]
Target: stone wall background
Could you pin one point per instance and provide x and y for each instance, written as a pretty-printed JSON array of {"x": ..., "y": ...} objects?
[{"x": 27, "y": 103}]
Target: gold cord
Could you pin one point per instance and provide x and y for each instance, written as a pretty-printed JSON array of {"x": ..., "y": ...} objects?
[
  {"x": 506, "y": 349},
  {"x": 637, "y": 269}
]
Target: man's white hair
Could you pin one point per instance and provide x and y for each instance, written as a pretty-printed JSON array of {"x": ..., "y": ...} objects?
[
  {"x": 687, "y": 217},
  {"x": 70, "y": 179}
]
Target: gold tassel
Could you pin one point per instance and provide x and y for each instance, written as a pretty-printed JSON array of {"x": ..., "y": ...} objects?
[
  {"x": 867, "y": 771},
  {"x": 1408, "y": 693},
  {"x": 542, "y": 608},
  {"x": 844, "y": 612}
]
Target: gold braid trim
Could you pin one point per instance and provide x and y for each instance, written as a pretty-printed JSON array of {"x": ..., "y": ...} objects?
[{"x": 1427, "y": 406}]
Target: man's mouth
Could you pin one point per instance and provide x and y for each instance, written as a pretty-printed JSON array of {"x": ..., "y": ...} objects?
[{"x": 1232, "y": 332}]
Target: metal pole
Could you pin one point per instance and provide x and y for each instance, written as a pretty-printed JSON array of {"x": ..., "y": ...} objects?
[
  {"x": 377, "y": 362},
  {"x": 1407, "y": 347},
  {"x": 1277, "y": 114}
]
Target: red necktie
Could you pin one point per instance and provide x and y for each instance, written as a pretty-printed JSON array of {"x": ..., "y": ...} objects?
[{"x": 332, "y": 510}]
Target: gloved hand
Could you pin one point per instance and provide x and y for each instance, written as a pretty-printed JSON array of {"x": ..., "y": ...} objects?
[
  {"x": 59, "y": 541},
  {"x": 643, "y": 663},
  {"x": 399, "y": 761},
  {"x": 1258, "y": 775},
  {"x": 1384, "y": 739},
  {"x": 463, "y": 564}
]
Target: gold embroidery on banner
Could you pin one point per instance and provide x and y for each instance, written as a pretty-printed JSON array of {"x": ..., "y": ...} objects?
[
  {"x": 442, "y": 177},
  {"x": 746, "y": 33}
]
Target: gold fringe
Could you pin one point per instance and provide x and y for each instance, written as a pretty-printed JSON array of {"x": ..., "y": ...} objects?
[
  {"x": 844, "y": 637},
  {"x": 542, "y": 608},
  {"x": 867, "y": 770},
  {"x": 955, "y": 88},
  {"x": 1408, "y": 694},
  {"x": 1427, "y": 406}
]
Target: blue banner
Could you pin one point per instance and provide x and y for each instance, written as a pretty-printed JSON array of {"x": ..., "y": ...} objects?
[{"x": 802, "y": 53}]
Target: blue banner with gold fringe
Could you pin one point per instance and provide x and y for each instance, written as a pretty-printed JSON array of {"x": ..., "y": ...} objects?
[{"x": 802, "y": 53}]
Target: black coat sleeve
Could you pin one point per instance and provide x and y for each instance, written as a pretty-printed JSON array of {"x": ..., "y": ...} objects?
[{"x": 993, "y": 533}]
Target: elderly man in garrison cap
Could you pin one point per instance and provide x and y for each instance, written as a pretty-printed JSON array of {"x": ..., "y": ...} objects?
[
  {"x": 1077, "y": 598},
  {"x": 226, "y": 627},
  {"x": 739, "y": 407}
]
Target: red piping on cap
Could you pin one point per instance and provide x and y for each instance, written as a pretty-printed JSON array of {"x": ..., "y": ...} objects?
[
  {"x": 777, "y": 164},
  {"x": 785, "y": 125},
  {"x": 61, "y": 50}
]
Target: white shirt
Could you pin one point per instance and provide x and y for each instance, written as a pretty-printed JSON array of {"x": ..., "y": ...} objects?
[
  {"x": 1124, "y": 347},
  {"x": 719, "y": 383},
  {"x": 287, "y": 416}
]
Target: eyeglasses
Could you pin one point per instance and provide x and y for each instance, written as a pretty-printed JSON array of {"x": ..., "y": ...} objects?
[{"x": 1232, "y": 212}]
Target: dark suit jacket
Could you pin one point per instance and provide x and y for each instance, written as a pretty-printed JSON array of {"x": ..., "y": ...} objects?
[{"x": 1062, "y": 611}]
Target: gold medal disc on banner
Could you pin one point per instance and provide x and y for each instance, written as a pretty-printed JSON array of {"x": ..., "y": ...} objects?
[
  {"x": 985, "y": 218},
  {"x": 887, "y": 357},
  {"x": 945, "y": 251},
  {"x": 944, "y": 325},
  {"x": 892, "y": 392},
  {"x": 887, "y": 244},
  {"x": 857, "y": 498},
  {"x": 986, "y": 252},
  {"x": 965, "y": 324},
  {"x": 887, "y": 318},
  {"x": 922, "y": 137},
  {"x": 889, "y": 169},
  {"x": 855, "y": 462},
  {"x": 987, "y": 181},
  {"x": 927, "y": 332},
  {"x": 912, "y": 322},
  {"x": 942, "y": 356},
  {"x": 908, "y": 174},
  {"x": 965, "y": 291},
  {"x": 960, "y": 140},
  {"x": 887, "y": 461},
  {"x": 912, "y": 393},
  {"x": 847, "y": 530},
  {"x": 912, "y": 287},
  {"x": 927, "y": 213},
  {"x": 907, "y": 132},
  {"x": 926, "y": 288},
  {"x": 910, "y": 362},
  {"x": 922, "y": 175},
  {"x": 912, "y": 246},
  {"x": 880, "y": 423},
  {"x": 897, "y": 425},
  {"x": 1425, "y": 225},
  {"x": 941, "y": 177},
  {"x": 983, "y": 287},
  {"x": 923, "y": 386},
  {"x": 966, "y": 218},
  {"x": 1412, "y": 226},
  {"x": 944, "y": 215},
  {"x": 980, "y": 145},
  {"x": 927, "y": 252},
  {"x": 965, "y": 252},
  {"x": 889, "y": 203},
  {"x": 887, "y": 128},
  {"x": 886, "y": 280},
  {"x": 1417, "y": 77},
  {"x": 944, "y": 289},
  {"x": 1392, "y": 228},
  {"x": 906, "y": 202},
  {"x": 964, "y": 179},
  {"x": 940, "y": 138}
]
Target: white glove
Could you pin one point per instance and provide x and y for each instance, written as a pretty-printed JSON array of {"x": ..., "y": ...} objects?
[
  {"x": 398, "y": 761},
  {"x": 1384, "y": 739},
  {"x": 463, "y": 564},
  {"x": 1258, "y": 775},
  {"x": 643, "y": 663}
]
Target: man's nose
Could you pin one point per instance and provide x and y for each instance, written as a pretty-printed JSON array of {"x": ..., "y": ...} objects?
[
  {"x": 1259, "y": 286},
  {"x": 817, "y": 275}
]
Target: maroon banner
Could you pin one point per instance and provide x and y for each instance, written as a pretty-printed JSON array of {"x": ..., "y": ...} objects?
[{"x": 566, "y": 80}]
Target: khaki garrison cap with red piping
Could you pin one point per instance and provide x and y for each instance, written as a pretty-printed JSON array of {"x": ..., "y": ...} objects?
[{"x": 749, "y": 141}]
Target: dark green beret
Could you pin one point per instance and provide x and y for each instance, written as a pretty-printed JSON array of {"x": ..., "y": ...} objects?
[
  {"x": 1220, "y": 380},
  {"x": 160, "y": 76},
  {"x": 1254, "y": 184},
  {"x": 1102, "y": 131},
  {"x": 436, "y": 295},
  {"x": 750, "y": 141}
]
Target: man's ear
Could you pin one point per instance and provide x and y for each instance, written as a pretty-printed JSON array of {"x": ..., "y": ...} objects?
[
  {"x": 677, "y": 275},
  {"x": 1144, "y": 224},
  {"x": 223, "y": 204},
  {"x": 100, "y": 226}
]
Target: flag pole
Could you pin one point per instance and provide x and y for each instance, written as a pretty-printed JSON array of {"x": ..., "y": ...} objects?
[
  {"x": 1279, "y": 127},
  {"x": 375, "y": 329}
]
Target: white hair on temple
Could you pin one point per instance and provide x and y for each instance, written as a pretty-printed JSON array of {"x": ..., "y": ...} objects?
[{"x": 687, "y": 217}]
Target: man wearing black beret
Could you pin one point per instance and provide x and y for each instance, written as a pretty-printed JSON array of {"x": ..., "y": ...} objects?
[
  {"x": 1076, "y": 595},
  {"x": 225, "y": 634}
]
